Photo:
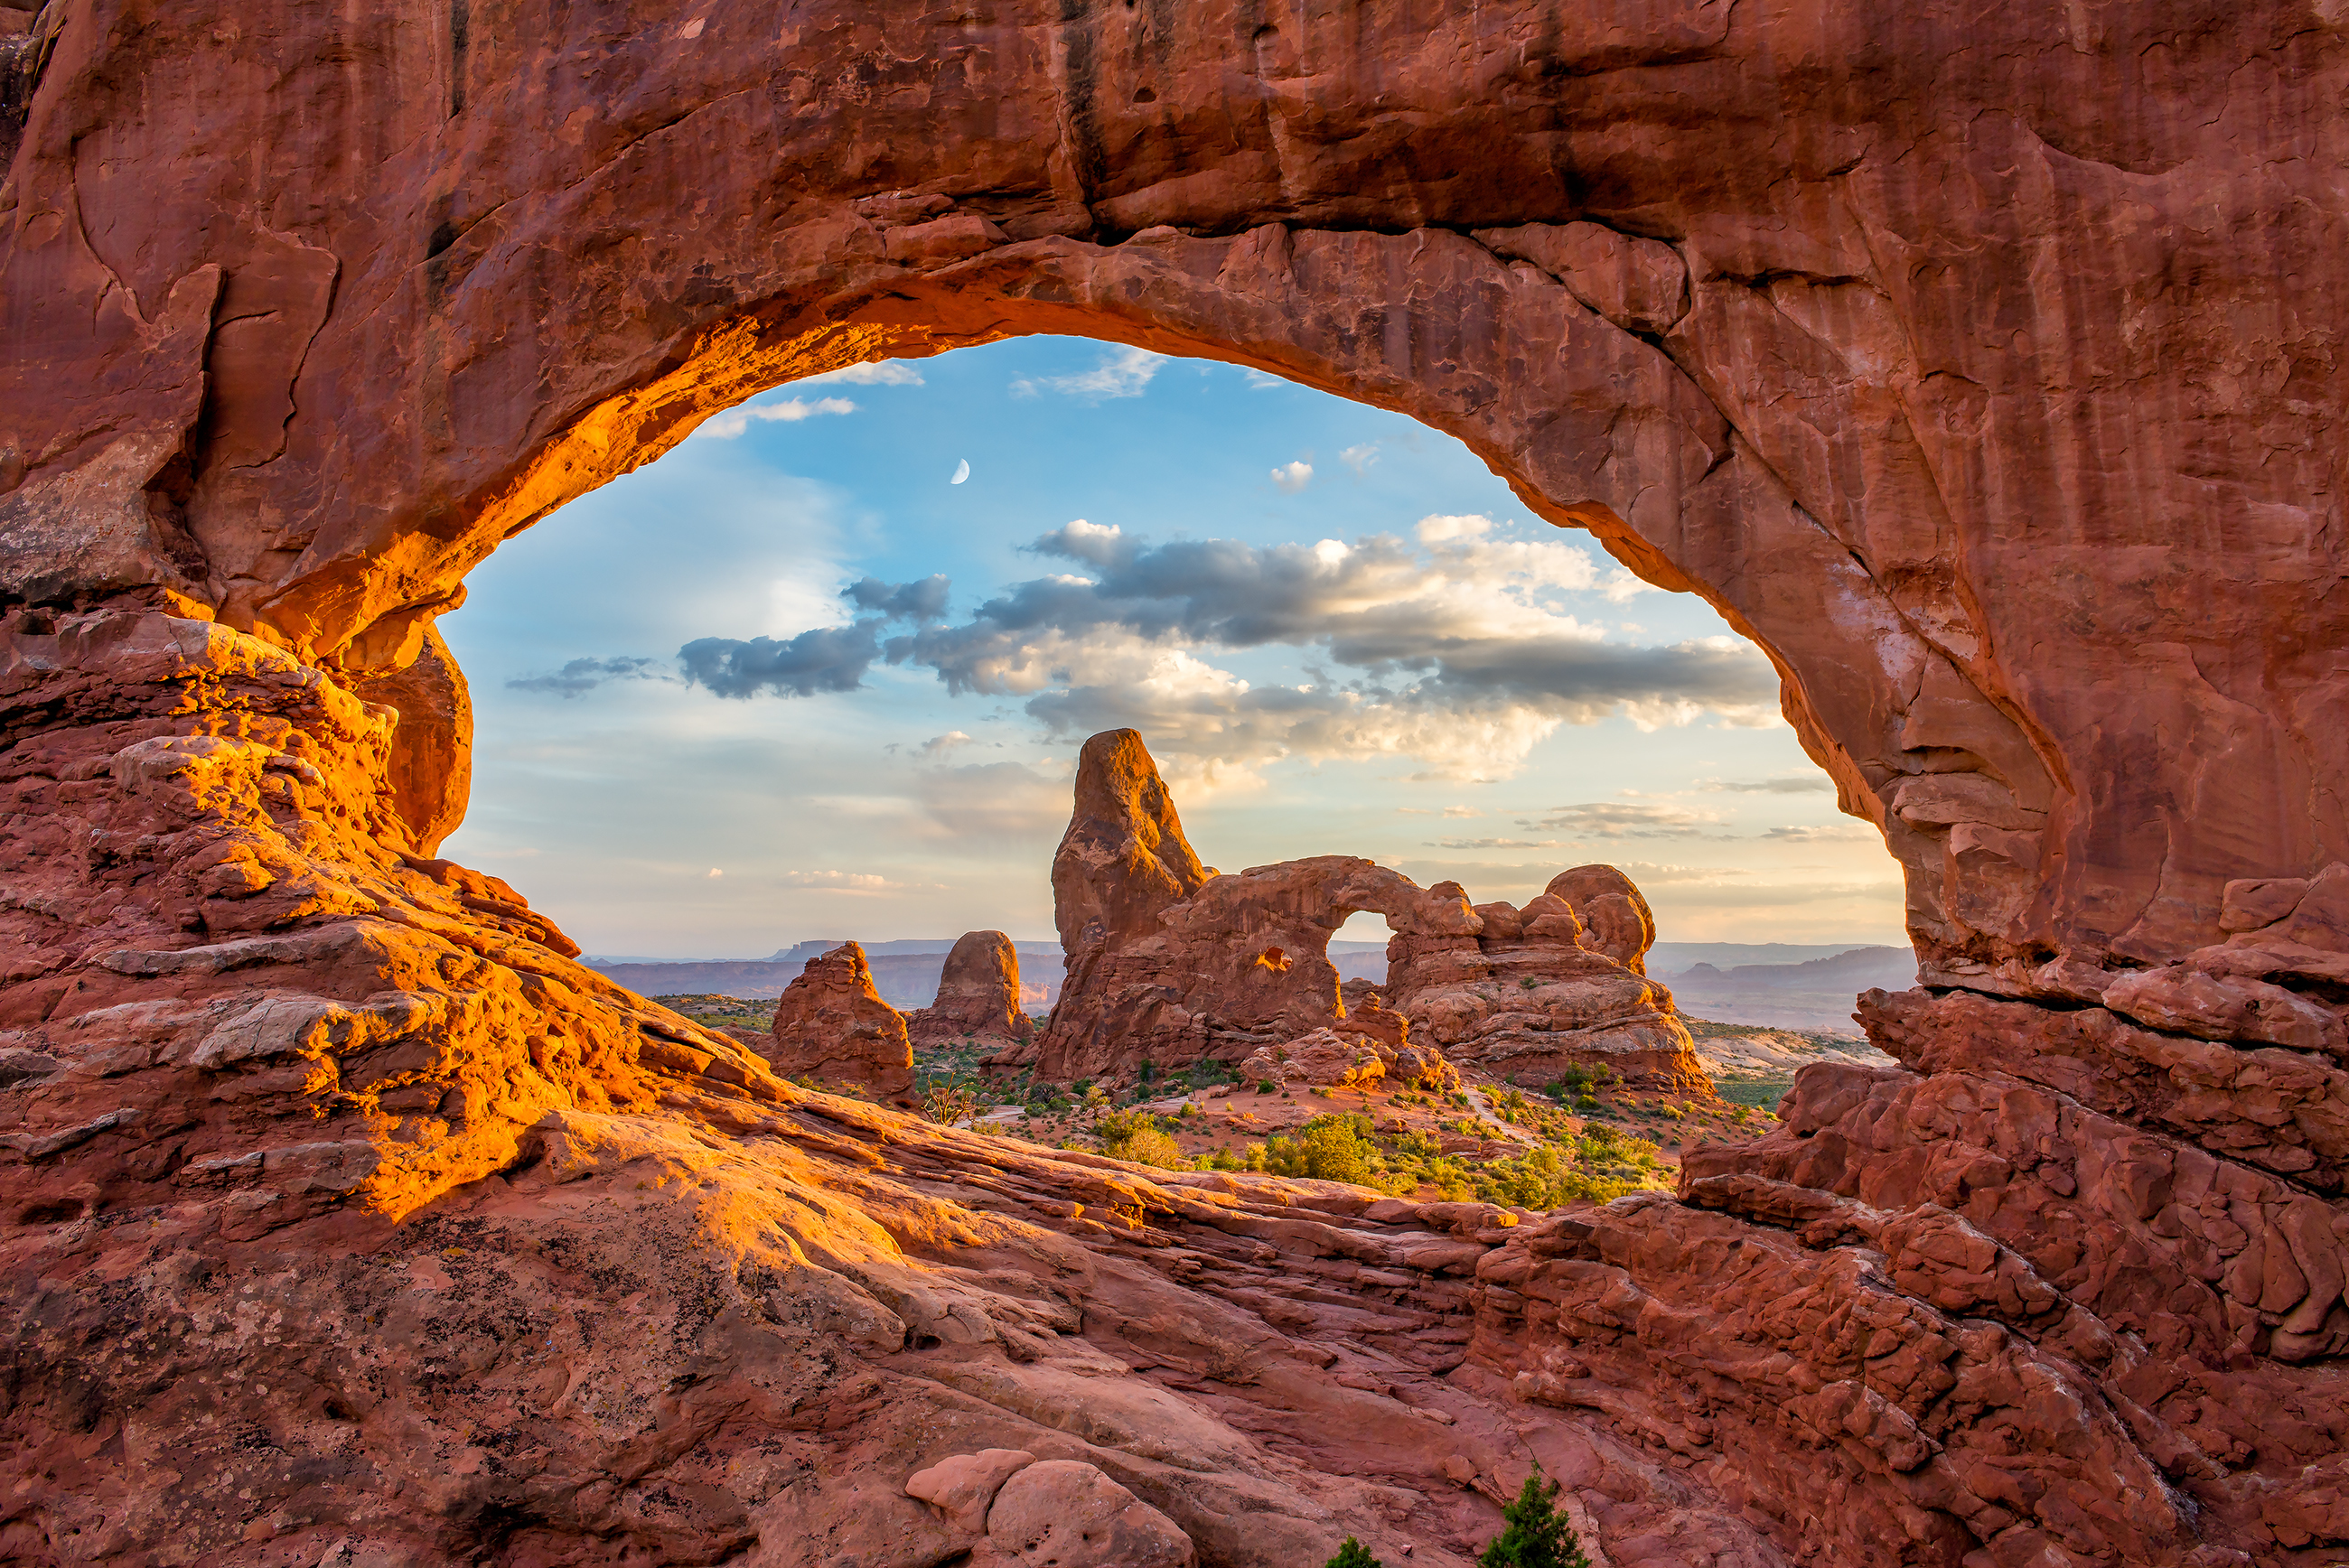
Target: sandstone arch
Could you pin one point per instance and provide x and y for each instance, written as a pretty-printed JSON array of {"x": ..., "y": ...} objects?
[
  {"x": 1985, "y": 366},
  {"x": 1788, "y": 378}
]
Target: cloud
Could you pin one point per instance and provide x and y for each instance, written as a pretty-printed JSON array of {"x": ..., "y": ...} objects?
[
  {"x": 830, "y": 658},
  {"x": 727, "y": 426},
  {"x": 1461, "y": 811},
  {"x": 1293, "y": 476},
  {"x": 715, "y": 871},
  {"x": 1123, "y": 373},
  {"x": 997, "y": 803},
  {"x": 1498, "y": 845},
  {"x": 939, "y": 745},
  {"x": 1450, "y": 649},
  {"x": 862, "y": 883},
  {"x": 877, "y": 373},
  {"x": 1359, "y": 458},
  {"x": 1621, "y": 820},
  {"x": 1832, "y": 833},
  {"x": 923, "y": 601},
  {"x": 581, "y": 675},
  {"x": 1798, "y": 784}
]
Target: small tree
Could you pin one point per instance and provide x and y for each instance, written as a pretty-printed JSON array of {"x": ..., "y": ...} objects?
[
  {"x": 1353, "y": 1554},
  {"x": 1534, "y": 1534}
]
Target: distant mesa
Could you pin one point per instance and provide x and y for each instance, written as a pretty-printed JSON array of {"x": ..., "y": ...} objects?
[
  {"x": 1171, "y": 963},
  {"x": 832, "y": 1025}
]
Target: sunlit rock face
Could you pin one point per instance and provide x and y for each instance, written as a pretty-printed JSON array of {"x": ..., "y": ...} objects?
[
  {"x": 833, "y": 1026},
  {"x": 1983, "y": 365},
  {"x": 978, "y": 999},
  {"x": 1239, "y": 963}
]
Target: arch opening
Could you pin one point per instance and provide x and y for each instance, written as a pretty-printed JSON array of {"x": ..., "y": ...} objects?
[{"x": 1435, "y": 680}]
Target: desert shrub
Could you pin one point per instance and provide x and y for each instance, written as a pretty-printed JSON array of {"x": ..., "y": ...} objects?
[
  {"x": 1334, "y": 1148},
  {"x": 1534, "y": 1534},
  {"x": 947, "y": 1102},
  {"x": 1266, "y": 1086},
  {"x": 1353, "y": 1554},
  {"x": 1134, "y": 1135}
]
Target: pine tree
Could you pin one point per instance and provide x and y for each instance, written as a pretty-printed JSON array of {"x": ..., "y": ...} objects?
[
  {"x": 1534, "y": 1534},
  {"x": 1353, "y": 1554}
]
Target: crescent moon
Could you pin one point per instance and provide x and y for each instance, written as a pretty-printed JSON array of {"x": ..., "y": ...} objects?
[{"x": 962, "y": 473}]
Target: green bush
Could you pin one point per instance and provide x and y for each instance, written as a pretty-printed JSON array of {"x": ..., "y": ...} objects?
[
  {"x": 1534, "y": 1534},
  {"x": 1134, "y": 1135},
  {"x": 1353, "y": 1554}
]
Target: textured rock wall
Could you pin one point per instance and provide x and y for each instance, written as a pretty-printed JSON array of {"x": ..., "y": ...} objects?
[
  {"x": 1983, "y": 365},
  {"x": 348, "y": 1220},
  {"x": 1929, "y": 347}
]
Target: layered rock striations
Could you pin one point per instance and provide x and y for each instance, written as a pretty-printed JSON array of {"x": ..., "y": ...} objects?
[
  {"x": 977, "y": 998},
  {"x": 547, "y": 1268},
  {"x": 1240, "y": 962},
  {"x": 312, "y": 389},
  {"x": 832, "y": 1025}
]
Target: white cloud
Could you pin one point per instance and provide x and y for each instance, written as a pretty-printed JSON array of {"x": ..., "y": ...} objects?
[
  {"x": 1293, "y": 476},
  {"x": 1437, "y": 527},
  {"x": 1359, "y": 458},
  {"x": 1498, "y": 845},
  {"x": 1791, "y": 784},
  {"x": 938, "y": 745},
  {"x": 1123, "y": 373},
  {"x": 1461, "y": 811},
  {"x": 877, "y": 373},
  {"x": 1618, "y": 820},
  {"x": 1832, "y": 833},
  {"x": 727, "y": 426},
  {"x": 715, "y": 872},
  {"x": 858, "y": 882}
]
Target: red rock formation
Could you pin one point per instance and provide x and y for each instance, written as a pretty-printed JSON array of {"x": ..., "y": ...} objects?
[
  {"x": 832, "y": 1025},
  {"x": 979, "y": 996},
  {"x": 1992, "y": 383},
  {"x": 1240, "y": 962},
  {"x": 1531, "y": 993}
]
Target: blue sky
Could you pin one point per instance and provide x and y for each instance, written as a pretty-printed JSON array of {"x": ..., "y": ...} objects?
[{"x": 1337, "y": 630}]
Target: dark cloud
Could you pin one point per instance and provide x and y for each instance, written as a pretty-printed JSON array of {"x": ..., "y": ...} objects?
[
  {"x": 830, "y": 658},
  {"x": 915, "y": 602},
  {"x": 581, "y": 675}
]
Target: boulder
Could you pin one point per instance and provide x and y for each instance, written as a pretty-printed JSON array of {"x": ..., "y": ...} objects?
[
  {"x": 977, "y": 998},
  {"x": 964, "y": 1485},
  {"x": 1322, "y": 1059},
  {"x": 1065, "y": 1514},
  {"x": 832, "y": 1025}
]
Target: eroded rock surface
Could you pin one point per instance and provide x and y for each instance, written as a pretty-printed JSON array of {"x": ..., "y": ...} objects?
[
  {"x": 350, "y": 1221},
  {"x": 1531, "y": 993},
  {"x": 832, "y": 1025},
  {"x": 977, "y": 998},
  {"x": 1239, "y": 962}
]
